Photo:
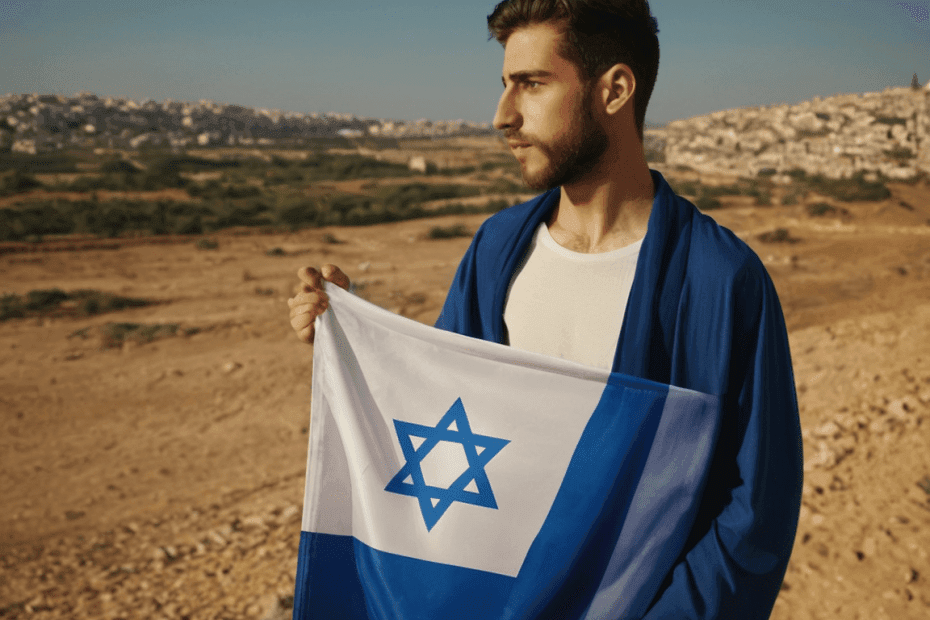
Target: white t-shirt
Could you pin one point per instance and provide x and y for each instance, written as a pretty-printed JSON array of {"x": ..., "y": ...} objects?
[{"x": 569, "y": 304}]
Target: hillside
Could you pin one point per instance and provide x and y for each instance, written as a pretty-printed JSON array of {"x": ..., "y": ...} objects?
[{"x": 886, "y": 133}]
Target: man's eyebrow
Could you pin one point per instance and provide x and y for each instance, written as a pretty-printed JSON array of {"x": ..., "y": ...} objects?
[{"x": 525, "y": 76}]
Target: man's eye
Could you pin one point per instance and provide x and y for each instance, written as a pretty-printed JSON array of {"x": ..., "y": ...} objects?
[{"x": 533, "y": 84}]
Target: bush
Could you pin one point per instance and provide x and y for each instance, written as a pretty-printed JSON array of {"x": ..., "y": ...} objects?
[
  {"x": 114, "y": 335},
  {"x": 890, "y": 120},
  {"x": 820, "y": 209},
  {"x": 850, "y": 190},
  {"x": 43, "y": 218},
  {"x": 403, "y": 196},
  {"x": 306, "y": 213},
  {"x": 779, "y": 235},
  {"x": 251, "y": 215},
  {"x": 55, "y": 302},
  {"x": 119, "y": 166},
  {"x": 448, "y": 232},
  {"x": 17, "y": 182},
  {"x": 707, "y": 203},
  {"x": 686, "y": 188},
  {"x": 789, "y": 199},
  {"x": 900, "y": 153},
  {"x": 42, "y": 163},
  {"x": 342, "y": 167},
  {"x": 207, "y": 244}
]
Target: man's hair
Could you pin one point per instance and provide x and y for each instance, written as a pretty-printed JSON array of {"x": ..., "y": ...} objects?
[{"x": 598, "y": 35}]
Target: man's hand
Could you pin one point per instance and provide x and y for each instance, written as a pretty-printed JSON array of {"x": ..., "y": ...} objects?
[{"x": 311, "y": 301}]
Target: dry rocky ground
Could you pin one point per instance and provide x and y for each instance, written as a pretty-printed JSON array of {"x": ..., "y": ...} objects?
[{"x": 165, "y": 479}]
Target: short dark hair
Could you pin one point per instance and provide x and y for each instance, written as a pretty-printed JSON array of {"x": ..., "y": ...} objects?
[{"x": 599, "y": 34}]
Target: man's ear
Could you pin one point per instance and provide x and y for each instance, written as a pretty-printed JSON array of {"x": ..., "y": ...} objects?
[{"x": 617, "y": 85}]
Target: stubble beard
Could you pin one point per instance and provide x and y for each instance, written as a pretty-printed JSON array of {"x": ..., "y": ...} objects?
[{"x": 573, "y": 155}]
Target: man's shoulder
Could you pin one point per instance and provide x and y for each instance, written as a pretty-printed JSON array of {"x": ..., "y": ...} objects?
[{"x": 717, "y": 254}]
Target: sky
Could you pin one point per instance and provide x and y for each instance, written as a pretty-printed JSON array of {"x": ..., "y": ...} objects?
[{"x": 411, "y": 59}]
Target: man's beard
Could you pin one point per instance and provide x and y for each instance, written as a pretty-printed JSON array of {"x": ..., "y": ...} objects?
[{"x": 572, "y": 156}]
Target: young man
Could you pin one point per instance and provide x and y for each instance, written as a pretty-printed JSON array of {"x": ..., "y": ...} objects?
[{"x": 610, "y": 268}]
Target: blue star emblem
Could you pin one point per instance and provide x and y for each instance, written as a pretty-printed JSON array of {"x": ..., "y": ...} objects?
[{"x": 479, "y": 450}]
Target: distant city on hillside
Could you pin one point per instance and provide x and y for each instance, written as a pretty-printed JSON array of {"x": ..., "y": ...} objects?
[
  {"x": 31, "y": 123},
  {"x": 886, "y": 133}
]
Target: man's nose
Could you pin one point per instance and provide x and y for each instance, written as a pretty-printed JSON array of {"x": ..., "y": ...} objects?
[{"x": 506, "y": 116}]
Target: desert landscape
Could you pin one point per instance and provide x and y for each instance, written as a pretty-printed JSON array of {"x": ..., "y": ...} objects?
[{"x": 154, "y": 410}]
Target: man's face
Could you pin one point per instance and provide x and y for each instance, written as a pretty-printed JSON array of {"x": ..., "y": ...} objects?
[{"x": 546, "y": 110}]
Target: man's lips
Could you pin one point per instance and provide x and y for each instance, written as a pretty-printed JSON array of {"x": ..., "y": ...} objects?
[{"x": 518, "y": 145}]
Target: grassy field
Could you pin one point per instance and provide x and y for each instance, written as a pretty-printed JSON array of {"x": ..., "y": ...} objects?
[
  {"x": 163, "y": 193},
  {"x": 153, "y": 192}
]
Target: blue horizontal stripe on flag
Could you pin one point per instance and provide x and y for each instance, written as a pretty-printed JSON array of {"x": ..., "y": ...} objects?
[{"x": 340, "y": 577}]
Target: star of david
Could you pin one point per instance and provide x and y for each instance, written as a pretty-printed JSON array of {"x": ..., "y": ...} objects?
[{"x": 479, "y": 450}]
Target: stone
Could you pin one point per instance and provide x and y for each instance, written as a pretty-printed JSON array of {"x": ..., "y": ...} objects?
[
  {"x": 828, "y": 430},
  {"x": 878, "y": 426},
  {"x": 252, "y": 522}
]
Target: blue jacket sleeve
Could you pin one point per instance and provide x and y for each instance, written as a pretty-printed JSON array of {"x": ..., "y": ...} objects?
[{"x": 735, "y": 562}]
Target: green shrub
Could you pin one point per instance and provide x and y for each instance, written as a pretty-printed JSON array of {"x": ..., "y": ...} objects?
[
  {"x": 409, "y": 194},
  {"x": 340, "y": 167},
  {"x": 852, "y": 189},
  {"x": 114, "y": 335},
  {"x": 820, "y": 209},
  {"x": 890, "y": 120},
  {"x": 42, "y": 163},
  {"x": 686, "y": 188},
  {"x": 119, "y": 166},
  {"x": 305, "y": 213},
  {"x": 40, "y": 301},
  {"x": 707, "y": 203},
  {"x": 763, "y": 199},
  {"x": 789, "y": 199},
  {"x": 207, "y": 244},
  {"x": 55, "y": 302},
  {"x": 715, "y": 191},
  {"x": 250, "y": 215},
  {"x": 17, "y": 182},
  {"x": 900, "y": 153},
  {"x": 448, "y": 232},
  {"x": 779, "y": 235}
]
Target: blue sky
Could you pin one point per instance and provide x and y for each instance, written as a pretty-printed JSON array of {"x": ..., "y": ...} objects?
[{"x": 412, "y": 59}]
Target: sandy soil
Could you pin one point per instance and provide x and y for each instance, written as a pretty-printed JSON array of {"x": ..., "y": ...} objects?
[{"x": 165, "y": 479}]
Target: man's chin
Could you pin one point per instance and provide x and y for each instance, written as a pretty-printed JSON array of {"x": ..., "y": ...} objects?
[{"x": 539, "y": 181}]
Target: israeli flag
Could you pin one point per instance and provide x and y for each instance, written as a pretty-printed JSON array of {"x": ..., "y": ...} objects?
[{"x": 453, "y": 478}]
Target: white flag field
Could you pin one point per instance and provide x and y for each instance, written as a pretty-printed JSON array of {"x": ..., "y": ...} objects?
[{"x": 449, "y": 477}]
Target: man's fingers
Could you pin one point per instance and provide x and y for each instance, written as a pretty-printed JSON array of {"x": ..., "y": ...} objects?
[
  {"x": 333, "y": 274},
  {"x": 310, "y": 277},
  {"x": 300, "y": 320},
  {"x": 313, "y": 298},
  {"x": 306, "y": 334},
  {"x": 310, "y": 302}
]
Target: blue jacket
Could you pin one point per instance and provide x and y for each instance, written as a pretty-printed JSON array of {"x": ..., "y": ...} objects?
[{"x": 702, "y": 314}]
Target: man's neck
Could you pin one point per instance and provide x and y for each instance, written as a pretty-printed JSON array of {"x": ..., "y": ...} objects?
[{"x": 607, "y": 209}]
